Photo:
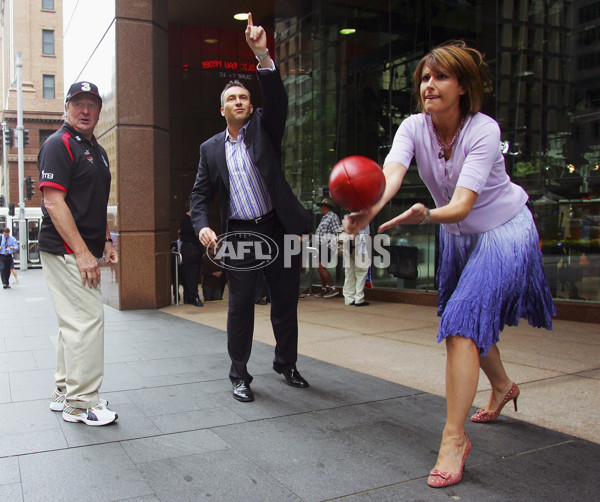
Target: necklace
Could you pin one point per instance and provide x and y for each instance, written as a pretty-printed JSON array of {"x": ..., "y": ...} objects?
[{"x": 443, "y": 146}]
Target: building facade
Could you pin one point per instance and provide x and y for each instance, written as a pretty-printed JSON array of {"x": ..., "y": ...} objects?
[
  {"x": 348, "y": 68},
  {"x": 32, "y": 29}
]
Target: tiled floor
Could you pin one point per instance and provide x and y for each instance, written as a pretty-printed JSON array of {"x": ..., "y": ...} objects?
[
  {"x": 366, "y": 430},
  {"x": 558, "y": 371}
]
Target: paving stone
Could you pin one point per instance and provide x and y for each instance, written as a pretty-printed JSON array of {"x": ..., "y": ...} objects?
[
  {"x": 131, "y": 424},
  {"x": 181, "y": 436},
  {"x": 9, "y": 471},
  {"x": 217, "y": 475},
  {"x": 12, "y": 493},
  {"x": 101, "y": 473},
  {"x": 172, "y": 446}
]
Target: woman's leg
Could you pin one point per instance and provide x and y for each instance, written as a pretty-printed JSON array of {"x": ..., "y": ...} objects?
[
  {"x": 462, "y": 374},
  {"x": 492, "y": 366}
]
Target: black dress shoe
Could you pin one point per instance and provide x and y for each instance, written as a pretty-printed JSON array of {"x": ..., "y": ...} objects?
[
  {"x": 197, "y": 303},
  {"x": 363, "y": 304},
  {"x": 242, "y": 391},
  {"x": 292, "y": 377}
]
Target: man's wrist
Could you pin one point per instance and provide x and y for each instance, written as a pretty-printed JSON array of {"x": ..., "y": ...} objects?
[{"x": 260, "y": 57}]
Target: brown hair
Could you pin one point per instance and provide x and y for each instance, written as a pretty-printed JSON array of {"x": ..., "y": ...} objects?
[{"x": 469, "y": 67}]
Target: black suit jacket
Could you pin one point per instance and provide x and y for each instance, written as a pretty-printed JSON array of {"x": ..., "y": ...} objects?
[{"x": 263, "y": 140}]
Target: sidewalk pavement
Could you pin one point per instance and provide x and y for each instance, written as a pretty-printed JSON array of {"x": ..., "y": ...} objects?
[{"x": 367, "y": 429}]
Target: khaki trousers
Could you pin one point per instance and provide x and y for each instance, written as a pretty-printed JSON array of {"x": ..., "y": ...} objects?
[
  {"x": 80, "y": 314},
  {"x": 355, "y": 271}
]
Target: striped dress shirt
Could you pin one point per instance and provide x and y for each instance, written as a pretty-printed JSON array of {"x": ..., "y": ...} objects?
[{"x": 249, "y": 197}]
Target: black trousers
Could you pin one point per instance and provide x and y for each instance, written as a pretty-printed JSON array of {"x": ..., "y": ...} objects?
[
  {"x": 262, "y": 289},
  {"x": 5, "y": 263},
  {"x": 283, "y": 282},
  {"x": 191, "y": 262}
]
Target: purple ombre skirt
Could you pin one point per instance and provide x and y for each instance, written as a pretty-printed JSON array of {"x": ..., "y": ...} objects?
[{"x": 492, "y": 279}]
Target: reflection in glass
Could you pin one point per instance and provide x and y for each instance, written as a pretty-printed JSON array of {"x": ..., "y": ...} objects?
[{"x": 349, "y": 94}]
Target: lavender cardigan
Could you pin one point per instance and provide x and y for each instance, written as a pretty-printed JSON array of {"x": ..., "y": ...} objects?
[{"x": 476, "y": 163}]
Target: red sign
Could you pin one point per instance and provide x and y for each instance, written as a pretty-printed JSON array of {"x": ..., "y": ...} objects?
[{"x": 219, "y": 64}]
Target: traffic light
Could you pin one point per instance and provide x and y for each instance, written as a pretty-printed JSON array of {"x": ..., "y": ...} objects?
[
  {"x": 11, "y": 209},
  {"x": 25, "y": 137},
  {"x": 29, "y": 187},
  {"x": 9, "y": 137}
]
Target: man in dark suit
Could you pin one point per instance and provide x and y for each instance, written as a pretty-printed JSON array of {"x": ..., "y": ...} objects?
[{"x": 242, "y": 166}]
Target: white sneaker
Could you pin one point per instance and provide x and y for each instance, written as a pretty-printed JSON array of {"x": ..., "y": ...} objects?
[
  {"x": 95, "y": 416},
  {"x": 57, "y": 403}
]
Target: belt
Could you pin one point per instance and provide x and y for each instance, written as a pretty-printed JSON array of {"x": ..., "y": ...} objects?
[{"x": 255, "y": 221}]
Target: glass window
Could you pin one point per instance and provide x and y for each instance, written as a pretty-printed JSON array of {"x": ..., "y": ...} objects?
[
  {"x": 33, "y": 249},
  {"x": 48, "y": 4},
  {"x": 348, "y": 94},
  {"x": 45, "y": 134},
  {"x": 47, "y": 41},
  {"x": 49, "y": 86}
]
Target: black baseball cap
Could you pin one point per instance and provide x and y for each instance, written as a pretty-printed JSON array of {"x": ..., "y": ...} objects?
[
  {"x": 79, "y": 87},
  {"x": 326, "y": 202}
]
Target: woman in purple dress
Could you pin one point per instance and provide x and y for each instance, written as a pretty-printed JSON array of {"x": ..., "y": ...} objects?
[{"x": 490, "y": 270}]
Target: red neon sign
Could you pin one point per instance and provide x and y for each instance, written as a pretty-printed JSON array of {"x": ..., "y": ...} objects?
[{"x": 219, "y": 64}]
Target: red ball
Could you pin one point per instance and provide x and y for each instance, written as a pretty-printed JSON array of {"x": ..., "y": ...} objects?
[{"x": 356, "y": 183}]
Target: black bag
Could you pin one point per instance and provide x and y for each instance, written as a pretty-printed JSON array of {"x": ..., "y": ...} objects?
[{"x": 404, "y": 261}]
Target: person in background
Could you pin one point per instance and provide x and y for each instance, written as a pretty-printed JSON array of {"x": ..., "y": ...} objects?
[
  {"x": 191, "y": 261},
  {"x": 490, "y": 271},
  {"x": 242, "y": 165},
  {"x": 176, "y": 266},
  {"x": 327, "y": 245},
  {"x": 74, "y": 237},
  {"x": 262, "y": 290},
  {"x": 356, "y": 267},
  {"x": 8, "y": 246},
  {"x": 12, "y": 269},
  {"x": 212, "y": 277}
]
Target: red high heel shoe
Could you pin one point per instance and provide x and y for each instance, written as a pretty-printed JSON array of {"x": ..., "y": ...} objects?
[
  {"x": 483, "y": 416},
  {"x": 439, "y": 479}
]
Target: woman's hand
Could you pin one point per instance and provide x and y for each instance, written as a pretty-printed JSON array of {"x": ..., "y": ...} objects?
[
  {"x": 457, "y": 210},
  {"x": 412, "y": 216}
]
